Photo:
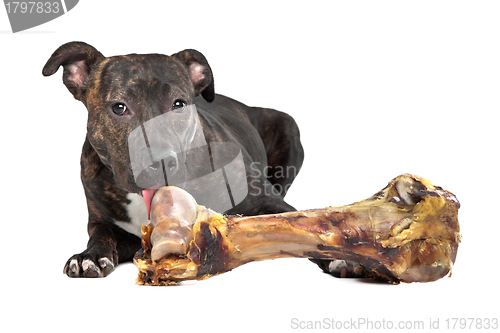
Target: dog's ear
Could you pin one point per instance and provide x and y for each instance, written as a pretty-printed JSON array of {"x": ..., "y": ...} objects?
[
  {"x": 78, "y": 60},
  {"x": 200, "y": 72}
]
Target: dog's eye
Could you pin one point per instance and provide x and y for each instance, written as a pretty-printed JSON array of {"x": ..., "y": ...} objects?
[
  {"x": 179, "y": 105},
  {"x": 119, "y": 109}
]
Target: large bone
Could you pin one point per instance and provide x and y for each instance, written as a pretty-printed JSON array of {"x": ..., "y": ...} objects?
[{"x": 407, "y": 232}]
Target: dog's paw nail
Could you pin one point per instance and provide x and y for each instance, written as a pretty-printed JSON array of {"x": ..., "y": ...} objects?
[
  {"x": 106, "y": 265},
  {"x": 90, "y": 269},
  {"x": 72, "y": 268}
]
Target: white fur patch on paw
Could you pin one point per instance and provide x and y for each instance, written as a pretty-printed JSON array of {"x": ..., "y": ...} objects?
[
  {"x": 88, "y": 264},
  {"x": 73, "y": 266},
  {"x": 105, "y": 262},
  {"x": 337, "y": 265}
]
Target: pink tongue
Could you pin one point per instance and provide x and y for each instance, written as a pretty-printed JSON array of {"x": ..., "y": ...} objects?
[{"x": 148, "y": 196}]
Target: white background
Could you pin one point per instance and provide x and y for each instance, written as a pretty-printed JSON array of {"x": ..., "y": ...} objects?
[{"x": 378, "y": 88}]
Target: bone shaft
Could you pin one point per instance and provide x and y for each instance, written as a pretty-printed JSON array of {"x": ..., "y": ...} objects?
[
  {"x": 275, "y": 236},
  {"x": 320, "y": 234}
]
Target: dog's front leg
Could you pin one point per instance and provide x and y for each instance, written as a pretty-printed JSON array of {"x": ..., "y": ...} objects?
[{"x": 100, "y": 257}]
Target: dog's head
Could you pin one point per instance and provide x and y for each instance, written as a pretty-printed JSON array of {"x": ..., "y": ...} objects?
[{"x": 137, "y": 101}]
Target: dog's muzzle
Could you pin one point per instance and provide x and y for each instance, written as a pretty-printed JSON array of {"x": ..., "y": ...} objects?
[{"x": 171, "y": 149}]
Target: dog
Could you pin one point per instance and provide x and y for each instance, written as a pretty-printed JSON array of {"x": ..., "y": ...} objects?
[{"x": 155, "y": 120}]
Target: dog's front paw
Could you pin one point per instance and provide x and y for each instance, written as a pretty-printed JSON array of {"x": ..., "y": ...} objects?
[
  {"x": 345, "y": 269},
  {"x": 341, "y": 268},
  {"x": 90, "y": 265}
]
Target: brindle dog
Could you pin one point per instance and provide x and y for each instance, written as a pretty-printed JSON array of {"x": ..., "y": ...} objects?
[{"x": 123, "y": 94}]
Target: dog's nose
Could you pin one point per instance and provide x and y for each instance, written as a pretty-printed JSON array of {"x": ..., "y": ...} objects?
[
  {"x": 155, "y": 166},
  {"x": 170, "y": 163}
]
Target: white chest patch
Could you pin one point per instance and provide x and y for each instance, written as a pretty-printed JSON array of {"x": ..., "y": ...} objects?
[{"x": 137, "y": 213}]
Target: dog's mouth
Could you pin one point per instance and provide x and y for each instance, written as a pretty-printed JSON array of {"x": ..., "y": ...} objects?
[
  {"x": 148, "y": 195},
  {"x": 214, "y": 174}
]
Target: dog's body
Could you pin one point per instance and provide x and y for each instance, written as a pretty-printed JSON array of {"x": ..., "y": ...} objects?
[{"x": 122, "y": 94}]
